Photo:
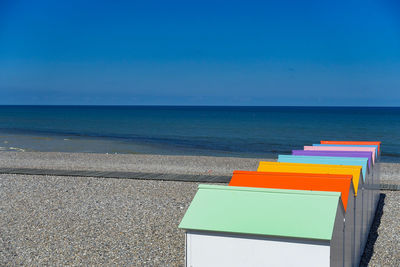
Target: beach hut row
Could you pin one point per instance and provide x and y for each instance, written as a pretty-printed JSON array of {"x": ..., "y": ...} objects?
[{"x": 314, "y": 207}]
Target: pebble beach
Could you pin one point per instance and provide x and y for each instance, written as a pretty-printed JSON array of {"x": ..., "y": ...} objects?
[{"x": 69, "y": 220}]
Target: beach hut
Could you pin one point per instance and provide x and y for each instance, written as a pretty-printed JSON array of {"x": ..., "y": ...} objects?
[
  {"x": 344, "y": 148},
  {"x": 242, "y": 226},
  {"x": 347, "y": 161},
  {"x": 376, "y": 143},
  {"x": 313, "y": 182},
  {"x": 364, "y": 194},
  {"x": 351, "y": 154},
  {"x": 355, "y": 171}
]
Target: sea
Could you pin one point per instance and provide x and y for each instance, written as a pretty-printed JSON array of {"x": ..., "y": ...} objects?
[{"x": 194, "y": 130}]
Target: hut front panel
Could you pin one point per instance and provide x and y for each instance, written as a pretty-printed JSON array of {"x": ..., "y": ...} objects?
[{"x": 219, "y": 249}]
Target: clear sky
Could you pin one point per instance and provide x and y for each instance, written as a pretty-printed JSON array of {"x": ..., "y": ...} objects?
[{"x": 339, "y": 52}]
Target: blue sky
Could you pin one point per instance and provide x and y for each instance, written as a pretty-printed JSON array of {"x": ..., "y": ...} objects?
[{"x": 200, "y": 52}]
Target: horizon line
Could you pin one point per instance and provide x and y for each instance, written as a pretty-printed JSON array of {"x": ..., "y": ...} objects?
[{"x": 167, "y": 105}]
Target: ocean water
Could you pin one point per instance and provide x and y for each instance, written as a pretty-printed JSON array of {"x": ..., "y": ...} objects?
[{"x": 179, "y": 130}]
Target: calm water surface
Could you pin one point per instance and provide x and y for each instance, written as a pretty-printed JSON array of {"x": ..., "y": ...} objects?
[{"x": 221, "y": 131}]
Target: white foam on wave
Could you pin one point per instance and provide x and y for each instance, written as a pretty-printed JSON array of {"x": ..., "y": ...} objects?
[{"x": 16, "y": 149}]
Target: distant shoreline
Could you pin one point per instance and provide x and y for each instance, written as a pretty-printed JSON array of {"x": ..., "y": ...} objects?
[
  {"x": 97, "y": 145},
  {"x": 24, "y": 142}
]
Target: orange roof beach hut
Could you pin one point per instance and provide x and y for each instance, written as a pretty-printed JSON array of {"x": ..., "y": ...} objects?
[
  {"x": 312, "y": 182},
  {"x": 355, "y": 171}
]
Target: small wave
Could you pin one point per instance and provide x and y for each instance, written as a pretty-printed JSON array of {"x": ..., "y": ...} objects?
[{"x": 16, "y": 149}]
